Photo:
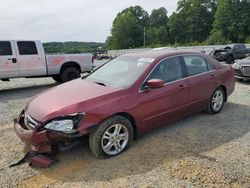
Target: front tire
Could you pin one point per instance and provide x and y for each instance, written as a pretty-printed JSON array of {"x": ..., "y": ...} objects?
[
  {"x": 239, "y": 79},
  {"x": 70, "y": 73},
  {"x": 112, "y": 137},
  {"x": 216, "y": 101}
]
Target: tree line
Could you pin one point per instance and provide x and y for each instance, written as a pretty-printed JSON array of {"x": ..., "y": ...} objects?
[
  {"x": 195, "y": 22},
  {"x": 73, "y": 47}
]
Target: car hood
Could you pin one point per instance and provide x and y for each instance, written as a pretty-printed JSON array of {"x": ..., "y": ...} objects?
[
  {"x": 67, "y": 95},
  {"x": 245, "y": 61}
]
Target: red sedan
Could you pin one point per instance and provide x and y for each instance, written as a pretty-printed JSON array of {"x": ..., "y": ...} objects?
[{"x": 124, "y": 98}]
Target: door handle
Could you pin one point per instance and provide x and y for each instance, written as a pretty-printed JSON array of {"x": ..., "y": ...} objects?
[
  {"x": 180, "y": 87},
  {"x": 13, "y": 60},
  {"x": 212, "y": 76}
]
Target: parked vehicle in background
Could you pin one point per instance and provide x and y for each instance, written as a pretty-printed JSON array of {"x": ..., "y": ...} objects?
[
  {"x": 126, "y": 97},
  {"x": 101, "y": 57},
  {"x": 27, "y": 59},
  {"x": 242, "y": 68},
  {"x": 231, "y": 53}
]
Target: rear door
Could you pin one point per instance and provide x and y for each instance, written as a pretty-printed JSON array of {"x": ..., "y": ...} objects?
[
  {"x": 201, "y": 77},
  {"x": 159, "y": 106},
  {"x": 31, "y": 59},
  {"x": 8, "y": 61}
]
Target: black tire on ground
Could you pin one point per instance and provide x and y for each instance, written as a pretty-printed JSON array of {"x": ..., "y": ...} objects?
[
  {"x": 210, "y": 108},
  {"x": 95, "y": 138},
  {"x": 230, "y": 59},
  {"x": 70, "y": 73},
  {"x": 57, "y": 78},
  {"x": 239, "y": 79}
]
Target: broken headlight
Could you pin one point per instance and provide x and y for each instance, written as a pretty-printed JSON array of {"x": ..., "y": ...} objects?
[{"x": 65, "y": 124}]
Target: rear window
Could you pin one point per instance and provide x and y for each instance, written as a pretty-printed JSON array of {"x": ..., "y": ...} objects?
[
  {"x": 27, "y": 48},
  {"x": 5, "y": 48}
]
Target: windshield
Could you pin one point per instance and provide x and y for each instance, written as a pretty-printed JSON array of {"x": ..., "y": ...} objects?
[{"x": 121, "y": 72}]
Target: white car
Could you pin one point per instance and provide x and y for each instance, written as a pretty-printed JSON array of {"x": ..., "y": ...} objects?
[{"x": 28, "y": 59}]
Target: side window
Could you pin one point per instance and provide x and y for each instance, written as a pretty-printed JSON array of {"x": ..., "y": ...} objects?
[
  {"x": 27, "y": 48},
  {"x": 168, "y": 70},
  {"x": 236, "y": 47},
  {"x": 5, "y": 48},
  {"x": 195, "y": 64}
]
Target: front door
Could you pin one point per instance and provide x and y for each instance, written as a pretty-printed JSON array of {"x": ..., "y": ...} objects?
[
  {"x": 166, "y": 104},
  {"x": 8, "y": 61}
]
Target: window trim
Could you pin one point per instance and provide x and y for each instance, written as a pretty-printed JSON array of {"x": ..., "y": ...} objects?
[
  {"x": 183, "y": 66},
  {"x": 141, "y": 89},
  {"x": 187, "y": 75},
  {"x": 18, "y": 49},
  {"x": 9, "y": 42}
]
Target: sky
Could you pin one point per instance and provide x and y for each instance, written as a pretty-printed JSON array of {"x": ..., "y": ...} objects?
[{"x": 66, "y": 20}]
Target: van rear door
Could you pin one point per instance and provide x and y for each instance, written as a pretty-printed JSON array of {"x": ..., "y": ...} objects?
[
  {"x": 31, "y": 59},
  {"x": 8, "y": 61}
]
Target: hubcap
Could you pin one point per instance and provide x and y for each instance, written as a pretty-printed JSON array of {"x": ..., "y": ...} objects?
[
  {"x": 115, "y": 139},
  {"x": 217, "y": 100}
]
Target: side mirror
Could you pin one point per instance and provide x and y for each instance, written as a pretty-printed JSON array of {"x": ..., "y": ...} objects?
[{"x": 155, "y": 83}]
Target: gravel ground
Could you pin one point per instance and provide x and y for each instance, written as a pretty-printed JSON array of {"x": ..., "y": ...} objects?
[{"x": 200, "y": 151}]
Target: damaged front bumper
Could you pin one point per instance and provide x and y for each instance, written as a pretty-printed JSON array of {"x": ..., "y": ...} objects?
[
  {"x": 41, "y": 142},
  {"x": 38, "y": 139},
  {"x": 37, "y": 142}
]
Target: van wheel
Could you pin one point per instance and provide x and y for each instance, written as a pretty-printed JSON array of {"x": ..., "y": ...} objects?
[
  {"x": 70, "y": 73},
  {"x": 216, "y": 101},
  {"x": 111, "y": 137},
  {"x": 57, "y": 78}
]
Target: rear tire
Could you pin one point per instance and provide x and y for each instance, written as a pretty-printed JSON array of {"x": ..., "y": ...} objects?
[
  {"x": 111, "y": 137},
  {"x": 216, "y": 101},
  {"x": 57, "y": 78},
  {"x": 70, "y": 73}
]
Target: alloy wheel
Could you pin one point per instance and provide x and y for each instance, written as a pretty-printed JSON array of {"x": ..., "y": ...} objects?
[
  {"x": 115, "y": 139},
  {"x": 217, "y": 100}
]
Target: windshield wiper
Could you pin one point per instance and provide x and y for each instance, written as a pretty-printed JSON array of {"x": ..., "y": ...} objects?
[{"x": 100, "y": 83}]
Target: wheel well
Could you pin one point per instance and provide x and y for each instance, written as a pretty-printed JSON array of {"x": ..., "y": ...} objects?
[
  {"x": 225, "y": 91},
  {"x": 131, "y": 119},
  {"x": 70, "y": 64},
  {"x": 230, "y": 55}
]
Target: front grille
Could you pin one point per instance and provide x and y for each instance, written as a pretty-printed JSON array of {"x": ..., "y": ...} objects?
[
  {"x": 238, "y": 72},
  {"x": 29, "y": 121},
  {"x": 245, "y": 70}
]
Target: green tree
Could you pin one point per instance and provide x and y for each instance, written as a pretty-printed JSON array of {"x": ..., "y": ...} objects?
[
  {"x": 128, "y": 28},
  {"x": 178, "y": 28},
  {"x": 157, "y": 32},
  {"x": 231, "y": 22},
  {"x": 193, "y": 21}
]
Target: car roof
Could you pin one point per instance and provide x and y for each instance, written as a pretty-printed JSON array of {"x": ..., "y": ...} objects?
[{"x": 155, "y": 54}]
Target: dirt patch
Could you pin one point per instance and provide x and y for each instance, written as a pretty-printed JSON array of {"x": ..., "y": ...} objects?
[{"x": 207, "y": 173}]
